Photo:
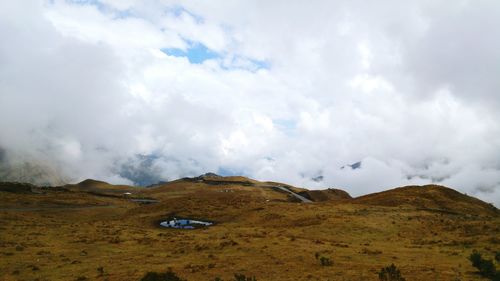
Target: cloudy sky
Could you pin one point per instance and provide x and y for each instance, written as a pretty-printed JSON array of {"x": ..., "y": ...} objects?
[{"x": 138, "y": 91}]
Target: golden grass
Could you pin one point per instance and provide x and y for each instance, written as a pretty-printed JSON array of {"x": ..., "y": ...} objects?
[{"x": 70, "y": 235}]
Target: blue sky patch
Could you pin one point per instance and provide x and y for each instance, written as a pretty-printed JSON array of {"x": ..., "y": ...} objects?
[
  {"x": 122, "y": 14},
  {"x": 99, "y": 5},
  {"x": 261, "y": 64},
  {"x": 196, "y": 53},
  {"x": 287, "y": 126}
]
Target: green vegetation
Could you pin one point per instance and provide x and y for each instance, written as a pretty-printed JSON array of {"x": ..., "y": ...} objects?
[
  {"x": 390, "y": 273},
  {"x": 242, "y": 277},
  {"x": 486, "y": 267},
  {"x": 324, "y": 261}
]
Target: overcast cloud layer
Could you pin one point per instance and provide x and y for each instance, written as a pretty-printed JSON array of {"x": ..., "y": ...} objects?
[{"x": 284, "y": 90}]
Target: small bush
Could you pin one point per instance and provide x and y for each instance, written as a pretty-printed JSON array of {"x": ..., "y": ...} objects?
[
  {"x": 242, "y": 277},
  {"x": 486, "y": 267},
  {"x": 325, "y": 261},
  {"x": 475, "y": 259},
  {"x": 100, "y": 270},
  {"x": 167, "y": 276},
  {"x": 238, "y": 277},
  {"x": 390, "y": 273}
]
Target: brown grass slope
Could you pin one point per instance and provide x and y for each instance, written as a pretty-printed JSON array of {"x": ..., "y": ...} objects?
[
  {"x": 22, "y": 187},
  {"x": 76, "y": 235},
  {"x": 16, "y": 187},
  {"x": 265, "y": 190},
  {"x": 215, "y": 188},
  {"x": 330, "y": 194},
  {"x": 101, "y": 187},
  {"x": 431, "y": 197}
]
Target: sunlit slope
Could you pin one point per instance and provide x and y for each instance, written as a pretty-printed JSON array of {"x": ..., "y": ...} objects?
[
  {"x": 216, "y": 187},
  {"x": 434, "y": 197},
  {"x": 77, "y": 234}
]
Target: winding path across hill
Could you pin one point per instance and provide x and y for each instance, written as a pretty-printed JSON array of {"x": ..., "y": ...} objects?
[{"x": 300, "y": 197}]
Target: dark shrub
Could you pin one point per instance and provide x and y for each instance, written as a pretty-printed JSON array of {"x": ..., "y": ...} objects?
[
  {"x": 324, "y": 261},
  {"x": 242, "y": 277},
  {"x": 476, "y": 259},
  {"x": 390, "y": 273},
  {"x": 486, "y": 267}
]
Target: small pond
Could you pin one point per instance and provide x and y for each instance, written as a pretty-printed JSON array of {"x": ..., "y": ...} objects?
[{"x": 184, "y": 223}]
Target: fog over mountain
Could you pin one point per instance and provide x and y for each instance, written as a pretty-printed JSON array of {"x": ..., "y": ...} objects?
[{"x": 142, "y": 91}]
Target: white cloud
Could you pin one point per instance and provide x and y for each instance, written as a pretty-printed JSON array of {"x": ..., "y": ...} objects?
[{"x": 408, "y": 89}]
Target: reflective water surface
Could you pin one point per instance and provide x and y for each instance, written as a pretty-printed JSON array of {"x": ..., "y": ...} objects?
[{"x": 184, "y": 223}]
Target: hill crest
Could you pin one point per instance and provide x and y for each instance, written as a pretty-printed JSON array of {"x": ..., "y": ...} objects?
[
  {"x": 429, "y": 197},
  {"x": 432, "y": 197}
]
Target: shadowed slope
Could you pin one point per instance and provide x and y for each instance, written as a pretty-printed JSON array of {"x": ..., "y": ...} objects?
[
  {"x": 101, "y": 187},
  {"x": 16, "y": 187},
  {"x": 330, "y": 194}
]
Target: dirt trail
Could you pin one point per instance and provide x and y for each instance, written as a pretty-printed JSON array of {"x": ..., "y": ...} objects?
[{"x": 300, "y": 197}]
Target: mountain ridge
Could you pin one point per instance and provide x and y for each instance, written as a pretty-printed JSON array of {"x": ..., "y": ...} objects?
[{"x": 431, "y": 197}]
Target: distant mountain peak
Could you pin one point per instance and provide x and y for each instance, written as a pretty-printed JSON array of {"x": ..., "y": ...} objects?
[
  {"x": 211, "y": 175},
  {"x": 91, "y": 182},
  {"x": 318, "y": 178},
  {"x": 353, "y": 166}
]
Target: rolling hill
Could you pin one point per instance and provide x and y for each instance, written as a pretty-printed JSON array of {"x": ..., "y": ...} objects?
[
  {"x": 431, "y": 197},
  {"x": 94, "y": 231}
]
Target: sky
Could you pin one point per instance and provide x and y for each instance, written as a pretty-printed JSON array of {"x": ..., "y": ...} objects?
[{"x": 136, "y": 92}]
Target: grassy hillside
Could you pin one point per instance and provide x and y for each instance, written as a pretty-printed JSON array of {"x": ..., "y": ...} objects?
[
  {"x": 73, "y": 234},
  {"x": 432, "y": 197}
]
